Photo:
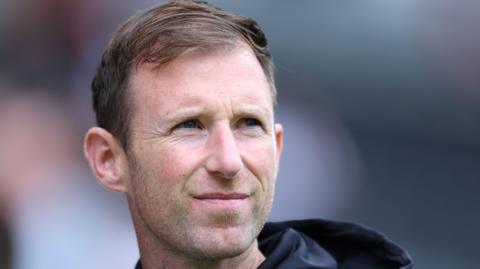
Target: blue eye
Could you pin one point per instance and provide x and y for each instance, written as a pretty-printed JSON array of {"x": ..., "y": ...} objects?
[
  {"x": 189, "y": 124},
  {"x": 250, "y": 122}
]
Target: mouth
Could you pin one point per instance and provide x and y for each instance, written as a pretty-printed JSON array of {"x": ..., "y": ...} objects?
[
  {"x": 222, "y": 196},
  {"x": 222, "y": 199}
]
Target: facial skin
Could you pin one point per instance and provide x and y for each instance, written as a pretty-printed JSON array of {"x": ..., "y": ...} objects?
[{"x": 200, "y": 171}]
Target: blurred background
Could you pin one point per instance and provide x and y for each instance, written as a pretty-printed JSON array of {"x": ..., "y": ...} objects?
[{"x": 380, "y": 102}]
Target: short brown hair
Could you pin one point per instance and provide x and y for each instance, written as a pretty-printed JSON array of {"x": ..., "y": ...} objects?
[{"x": 160, "y": 35}]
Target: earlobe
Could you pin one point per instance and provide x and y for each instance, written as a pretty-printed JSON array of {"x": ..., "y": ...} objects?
[{"x": 107, "y": 159}]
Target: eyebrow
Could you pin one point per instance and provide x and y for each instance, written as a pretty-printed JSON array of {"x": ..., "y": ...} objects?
[
  {"x": 182, "y": 113},
  {"x": 195, "y": 111},
  {"x": 253, "y": 110}
]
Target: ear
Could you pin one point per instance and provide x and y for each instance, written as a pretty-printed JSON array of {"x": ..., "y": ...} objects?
[
  {"x": 279, "y": 142},
  {"x": 107, "y": 159}
]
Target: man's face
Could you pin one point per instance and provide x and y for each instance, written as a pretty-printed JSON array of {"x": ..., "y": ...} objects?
[{"x": 204, "y": 153}]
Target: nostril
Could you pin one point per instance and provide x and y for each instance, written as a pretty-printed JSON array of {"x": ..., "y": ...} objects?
[
  {"x": 227, "y": 164},
  {"x": 232, "y": 173}
]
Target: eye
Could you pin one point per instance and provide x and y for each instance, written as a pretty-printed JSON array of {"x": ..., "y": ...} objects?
[
  {"x": 189, "y": 124},
  {"x": 251, "y": 122}
]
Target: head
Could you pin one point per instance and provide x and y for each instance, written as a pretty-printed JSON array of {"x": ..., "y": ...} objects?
[
  {"x": 158, "y": 36},
  {"x": 184, "y": 98}
]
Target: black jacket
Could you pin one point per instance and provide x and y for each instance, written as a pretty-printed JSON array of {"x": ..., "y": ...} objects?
[{"x": 327, "y": 245}]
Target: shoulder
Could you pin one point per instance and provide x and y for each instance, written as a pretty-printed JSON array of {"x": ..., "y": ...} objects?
[{"x": 349, "y": 245}]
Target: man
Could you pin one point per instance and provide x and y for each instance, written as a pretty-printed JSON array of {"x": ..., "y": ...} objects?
[{"x": 184, "y": 98}]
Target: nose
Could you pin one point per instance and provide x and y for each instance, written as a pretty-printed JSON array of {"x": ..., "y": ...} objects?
[{"x": 224, "y": 158}]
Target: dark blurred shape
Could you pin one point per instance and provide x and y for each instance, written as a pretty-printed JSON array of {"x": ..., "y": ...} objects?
[
  {"x": 5, "y": 246},
  {"x": 41, "y": 43},
  {"x": 43, "y": 40},
  {"x": 451, "y": 31}
]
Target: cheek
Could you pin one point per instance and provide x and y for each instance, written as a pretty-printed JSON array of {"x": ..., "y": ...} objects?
[
  {"x": 158, "y": 183},
  {"x": 260, "y": 161},
  {"x": 173, "y": 165},
  {"x": 260, "y": 157}
]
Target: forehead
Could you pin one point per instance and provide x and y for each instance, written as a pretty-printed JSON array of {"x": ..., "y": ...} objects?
[{"x": 196, "y": 77}]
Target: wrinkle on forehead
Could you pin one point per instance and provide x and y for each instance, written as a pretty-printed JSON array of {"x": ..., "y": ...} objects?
[
  {"x": 193, "y": 58},
  {"x": 211, "y": 80}
]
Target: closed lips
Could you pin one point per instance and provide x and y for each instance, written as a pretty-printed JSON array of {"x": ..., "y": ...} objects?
[{"x": 222, "y": 196}]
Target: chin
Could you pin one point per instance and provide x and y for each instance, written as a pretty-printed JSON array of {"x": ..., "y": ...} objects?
[{"x": 222, "y": 243}]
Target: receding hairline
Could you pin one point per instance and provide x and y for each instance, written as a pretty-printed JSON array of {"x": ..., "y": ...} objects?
[{"x": 226, "y": 50}]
